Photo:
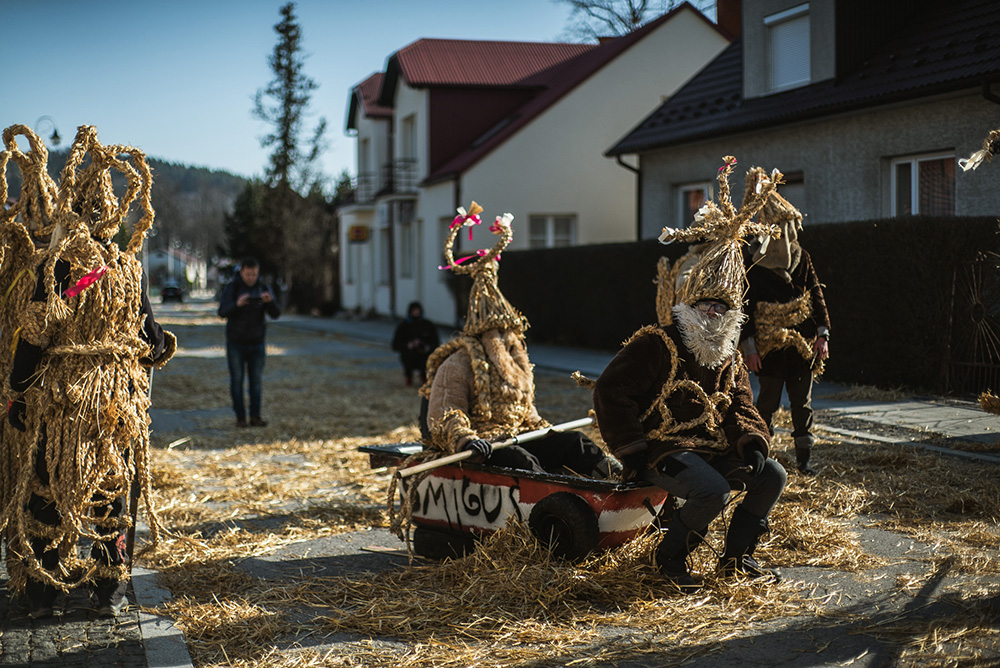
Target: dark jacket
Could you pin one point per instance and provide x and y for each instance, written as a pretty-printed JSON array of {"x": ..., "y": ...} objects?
[
  {"x": 420, "y": 330},
  {"x": 245, "y": 324},
  {"x": 769, "y": 286},
  {"x": 633, "y": 381},
  {"x": 27, "y": 355}
]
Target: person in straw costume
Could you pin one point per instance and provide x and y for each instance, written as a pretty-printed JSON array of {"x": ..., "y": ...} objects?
[
  {"x": 480, "y": 385},
  {"x": 675, "y": 404},
  {"x": 785, "y": 338},
  {"x": 988, "y": 401},
  {"x": 76, "y": 445}
]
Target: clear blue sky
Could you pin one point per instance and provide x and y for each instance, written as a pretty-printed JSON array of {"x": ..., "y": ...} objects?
[{"x": 176, "y": 78}]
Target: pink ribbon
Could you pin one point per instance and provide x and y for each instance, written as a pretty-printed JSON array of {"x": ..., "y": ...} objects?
[
  {"x": 461, "y": 220},
  {"x": 732, "y": 162},
  {"x": 479, "y": 253},
  {"x": 85, "y": 282}
]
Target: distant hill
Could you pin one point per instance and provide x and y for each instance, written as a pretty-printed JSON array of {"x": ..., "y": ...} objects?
[{"x": 190, "y": 202}]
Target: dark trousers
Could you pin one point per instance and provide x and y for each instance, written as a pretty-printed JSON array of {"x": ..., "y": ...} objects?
[
  {"x": 556, "y": 452},
  {"x": 799, "y": 398},
  {"x": 245, "y": 360},
  {"x": 414, "y": 361},
  {"x": 706, "y": 486},
  {"x": 110, "y": 550}
]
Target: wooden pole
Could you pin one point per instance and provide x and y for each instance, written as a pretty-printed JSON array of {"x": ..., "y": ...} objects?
[{"x": 520, "y": 438}]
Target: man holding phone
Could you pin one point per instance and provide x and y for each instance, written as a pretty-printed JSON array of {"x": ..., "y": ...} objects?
[{"x": 245, "y": 303}]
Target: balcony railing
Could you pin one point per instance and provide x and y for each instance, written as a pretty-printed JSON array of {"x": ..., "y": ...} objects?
[
  {"x": 400, "y": 176},
  {"x": 365, "y": 186}
]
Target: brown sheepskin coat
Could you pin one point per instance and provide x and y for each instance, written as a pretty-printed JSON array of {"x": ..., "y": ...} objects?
[
  {"x": 654, "y": 391},
  {"x": 483, "y": 388}
]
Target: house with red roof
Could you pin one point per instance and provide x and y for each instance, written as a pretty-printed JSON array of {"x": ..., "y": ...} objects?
[
  {"x": 518, "y": 127},
  {"x": 864, "y": 106}
]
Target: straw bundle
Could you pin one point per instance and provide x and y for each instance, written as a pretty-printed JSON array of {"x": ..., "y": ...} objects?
[
  {"x": 720, "y": 272},
  {"x": 89, "y": 399}
]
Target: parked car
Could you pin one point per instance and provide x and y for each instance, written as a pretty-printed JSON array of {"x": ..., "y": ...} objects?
[{"x": 171, "y": 292}]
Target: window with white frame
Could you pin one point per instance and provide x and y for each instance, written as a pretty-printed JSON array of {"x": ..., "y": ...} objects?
[
  {"x": 551, "y": 231},
  {"x": 690, "y": 198},
  {"x": 788, "y": 60},
  {"x": 923, "y": 185}
]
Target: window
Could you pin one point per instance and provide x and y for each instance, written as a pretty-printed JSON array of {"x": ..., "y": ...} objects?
[
  {"x": 923, "y": 185},
  {"x": 794, "y": 190},
  {"x": 409, "y": 138},
  {"x": 551, "y": 231},
  {"x": 406, "y": 250},
  {"x": 351, "y": 262},
  {"x": 691, "y": 198},
  {"x": 788, "y": 48},
  {"x": 385, "y": 256},
  {"x": 444, "y": 230}
]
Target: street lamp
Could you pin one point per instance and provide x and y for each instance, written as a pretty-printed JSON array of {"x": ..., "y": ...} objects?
[{"x": 48, "y": 120}]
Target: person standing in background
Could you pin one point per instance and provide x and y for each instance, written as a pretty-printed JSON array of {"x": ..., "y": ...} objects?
[
  {"x": 245, "y": 303},
  {"x": 414, "y": 339}
]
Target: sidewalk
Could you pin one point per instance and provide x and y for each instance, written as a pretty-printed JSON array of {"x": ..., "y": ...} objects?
[{"x": 952, "y": 420}]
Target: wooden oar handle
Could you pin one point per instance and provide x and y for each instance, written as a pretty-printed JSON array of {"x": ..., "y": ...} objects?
[{"x": 465, "y": 454}]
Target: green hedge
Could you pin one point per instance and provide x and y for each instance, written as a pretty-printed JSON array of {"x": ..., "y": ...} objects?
[{"x": 888, "y": 289}]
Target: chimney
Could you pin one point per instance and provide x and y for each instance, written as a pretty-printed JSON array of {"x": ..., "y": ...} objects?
[{"x": 729, "y": 17}]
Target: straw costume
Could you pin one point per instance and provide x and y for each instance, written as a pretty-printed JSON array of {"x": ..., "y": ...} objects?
[
  {"x": 675, "y": 404},
  {"x": 75, "y": 316},
  {"x": 988, "y": 401},
  {"x": 480, "y": 385},
  {"x": 785, "y": 337}
]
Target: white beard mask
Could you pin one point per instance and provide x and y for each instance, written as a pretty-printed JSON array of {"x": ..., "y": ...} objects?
[{"x": 712, "y": 340}]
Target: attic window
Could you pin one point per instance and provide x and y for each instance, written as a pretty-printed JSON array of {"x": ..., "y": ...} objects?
[{"x": 788, "y": 48}]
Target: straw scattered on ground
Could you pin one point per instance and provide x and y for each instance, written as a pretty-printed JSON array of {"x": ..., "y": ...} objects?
[{"x": 229, "y": 495}]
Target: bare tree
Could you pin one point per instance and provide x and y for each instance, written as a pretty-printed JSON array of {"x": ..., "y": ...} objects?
[{"x": 591, "y": 20}]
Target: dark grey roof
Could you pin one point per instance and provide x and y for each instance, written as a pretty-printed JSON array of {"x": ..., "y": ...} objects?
[{"x": 950, "y": 46}]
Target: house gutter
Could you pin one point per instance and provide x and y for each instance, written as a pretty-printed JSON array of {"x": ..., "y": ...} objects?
[{"x": 638, "y": 195}]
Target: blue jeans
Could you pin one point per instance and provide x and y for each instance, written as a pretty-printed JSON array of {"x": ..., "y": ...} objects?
[{"x": 245, "y": 358}]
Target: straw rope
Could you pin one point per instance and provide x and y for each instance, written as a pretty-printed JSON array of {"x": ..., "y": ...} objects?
[
  {"x": 775, "y": 329},
  {"x": 88, "y": 401},
  {"x": 714, "y": 405}
]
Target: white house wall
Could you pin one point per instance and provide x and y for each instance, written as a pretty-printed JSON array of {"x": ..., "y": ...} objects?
[
  {"x": 556, "y": 165},
  {"x": 436, "y": 210},
  {"x": 844, "y": 160}
]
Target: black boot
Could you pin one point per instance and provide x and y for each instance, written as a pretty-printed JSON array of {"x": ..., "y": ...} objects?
[
  {"x": 676, "y": 543},
  {"x": 741, "y": 541},
  {"x": 803, "y": 449},
  {"x": 109, "y": 596},
  {"x": 39, "y": 598}
]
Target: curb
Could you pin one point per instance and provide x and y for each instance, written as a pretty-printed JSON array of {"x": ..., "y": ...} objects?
[{"x": 164, "y": 643}]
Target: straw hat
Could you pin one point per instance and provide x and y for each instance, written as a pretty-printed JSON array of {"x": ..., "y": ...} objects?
[
  {"x": 488, "y": 308},
  {"x": 783, "y": 252},
  {"x": 720, "y": 273}
]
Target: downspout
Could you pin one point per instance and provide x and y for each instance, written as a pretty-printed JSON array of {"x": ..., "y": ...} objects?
[
  {"x": 988, "y": 95},
  {"x": 457, "y": 189},
  {"x": 638, "y": 195}
]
